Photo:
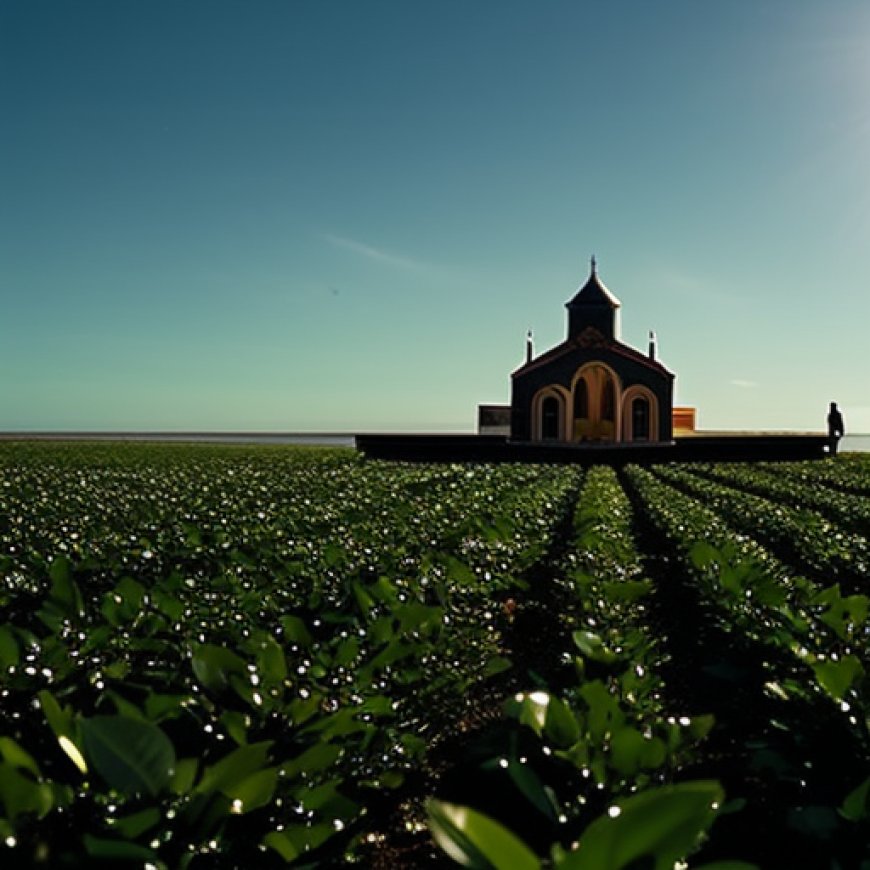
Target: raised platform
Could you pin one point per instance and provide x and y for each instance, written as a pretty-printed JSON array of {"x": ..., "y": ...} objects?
[{"x": 699, "y": 447}]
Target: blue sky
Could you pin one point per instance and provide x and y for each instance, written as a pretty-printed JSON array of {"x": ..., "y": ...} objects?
[{"x": 345, "y": 215}]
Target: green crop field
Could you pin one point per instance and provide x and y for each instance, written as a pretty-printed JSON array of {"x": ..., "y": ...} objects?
[{"x": 223, "y": 656}]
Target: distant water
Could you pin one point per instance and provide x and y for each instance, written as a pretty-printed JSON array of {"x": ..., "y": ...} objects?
[
  {"x": 325, "y": 439},
  {"x": 855, "y": 444}
]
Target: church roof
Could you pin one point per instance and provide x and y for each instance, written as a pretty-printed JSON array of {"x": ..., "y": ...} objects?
[
  {"x": 593, "y": 292},
  {"x": 573, "y": 344}
]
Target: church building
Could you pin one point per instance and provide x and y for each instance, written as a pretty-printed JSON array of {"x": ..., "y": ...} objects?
[{"x": 592, "y": 388}]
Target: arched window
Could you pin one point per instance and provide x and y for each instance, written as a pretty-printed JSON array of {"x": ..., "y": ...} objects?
[
  {"x": 640, "y": 419},
  {"x": 581, "y": 400},
  {"x": 608, "y": 401},
  {"x": 550, "y": 418}
]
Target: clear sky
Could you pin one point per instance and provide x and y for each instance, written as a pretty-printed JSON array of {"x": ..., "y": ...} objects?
[{"x": 279, "y": 215}]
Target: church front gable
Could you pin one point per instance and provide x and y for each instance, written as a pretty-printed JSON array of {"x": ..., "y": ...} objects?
[{"x": 591, "y": 337}]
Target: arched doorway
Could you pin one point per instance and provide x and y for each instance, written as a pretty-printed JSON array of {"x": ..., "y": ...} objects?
[
  {"x": 596, "y": 404},
  {"x": 640, "y": 414},
  {"x": 550, "y": 419},
  {"x": 551, "y": 408},
  {"x": 640, "y": 419},
  {"x": 582, "y": 426}
]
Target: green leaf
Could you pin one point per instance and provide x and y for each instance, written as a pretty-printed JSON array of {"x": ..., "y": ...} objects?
[
  {"x": 654, "y": 754},
  {"x": 346, "y": 653},
  {"x": 391, "y": 779},
  {"x": 117, "y": 850},
  {"x": 167, "y": 604},
  {"x": 124, "y": 602},
  {"x": 158, "y": 706},
  {"x": 132, "y": 756},
  {"x": 125, "y": 707},
  {"x": 604, "y": 713},
  {"x": 496, "y": 665},
  {"x": 626, "y": 590},
  {"x": 295, "y": 631},
  {"x": 8, "y": 648},
  {"x": 661, "y": 824},
  {"x": 135, "y": 825},
  {"x": 591, "y": 645},
  {"x": 837, "y": 677},
  {"x": 474, "y": 840},
  {"x": 459, "y": 572},
  {"x": 271, "y": 662},
  {"x": 333, "y": 555},
  {"x": 703, "y": 554},
  {"x": 253, "y": 791},
  {"x": 65, "y": 594},
  {"x": 418, "y": 617},
  {"x": 184, "y": 775},
  {"x": 364, "y": 601},
  {"x": 20, "y": 795},
  {"x": 856, "y": 805},
  {"x": 295, "y": 840},
  {"x": 283, "y": 844},
  {"x": 384, "y": 591},
  {"x": 529, "y": 783},
  {"x": 313, "y": 760},
  {"x": 236, "y": 724},
  {"x": 627, "y": 747},
  {"x": 531, "y": 709},
  {"x": 61, "y": 722},
  {"x": 17, "y": 756},
  {"x": 215, "y": 665},
  {"x": 327, "y": 800},
  {"x": 560, "y": 724},
  {"x": 700, "y": 726},
  {"x": 234, "y": 768},
  {"x": 395, "y": 650}
]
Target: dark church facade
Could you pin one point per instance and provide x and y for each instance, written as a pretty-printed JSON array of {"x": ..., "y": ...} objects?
[{"x": 592, "y": 388}]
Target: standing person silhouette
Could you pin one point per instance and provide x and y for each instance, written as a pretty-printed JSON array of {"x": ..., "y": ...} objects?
[{"x": 836, "y": 428}]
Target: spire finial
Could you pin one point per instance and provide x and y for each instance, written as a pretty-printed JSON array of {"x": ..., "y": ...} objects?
[{"x": 594, "y": 264}]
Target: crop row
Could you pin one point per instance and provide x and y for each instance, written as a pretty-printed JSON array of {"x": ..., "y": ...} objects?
[
  {"x": 764, "y": 597},
  {"x": 822, "y": 548},
  {"x": 777, "y": 654},
  {"x": 793, "y": 655},
  {"x": 228, "y": 653},
  {"x": 848, "y": 511},
  {"x": 221, "y": 657},
  {"x": 608, "y": 745},
  {"x": 850, "y": 473}
]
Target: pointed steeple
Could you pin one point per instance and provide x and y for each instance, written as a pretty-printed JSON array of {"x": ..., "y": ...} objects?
[{"x": 593, "y": 305}]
